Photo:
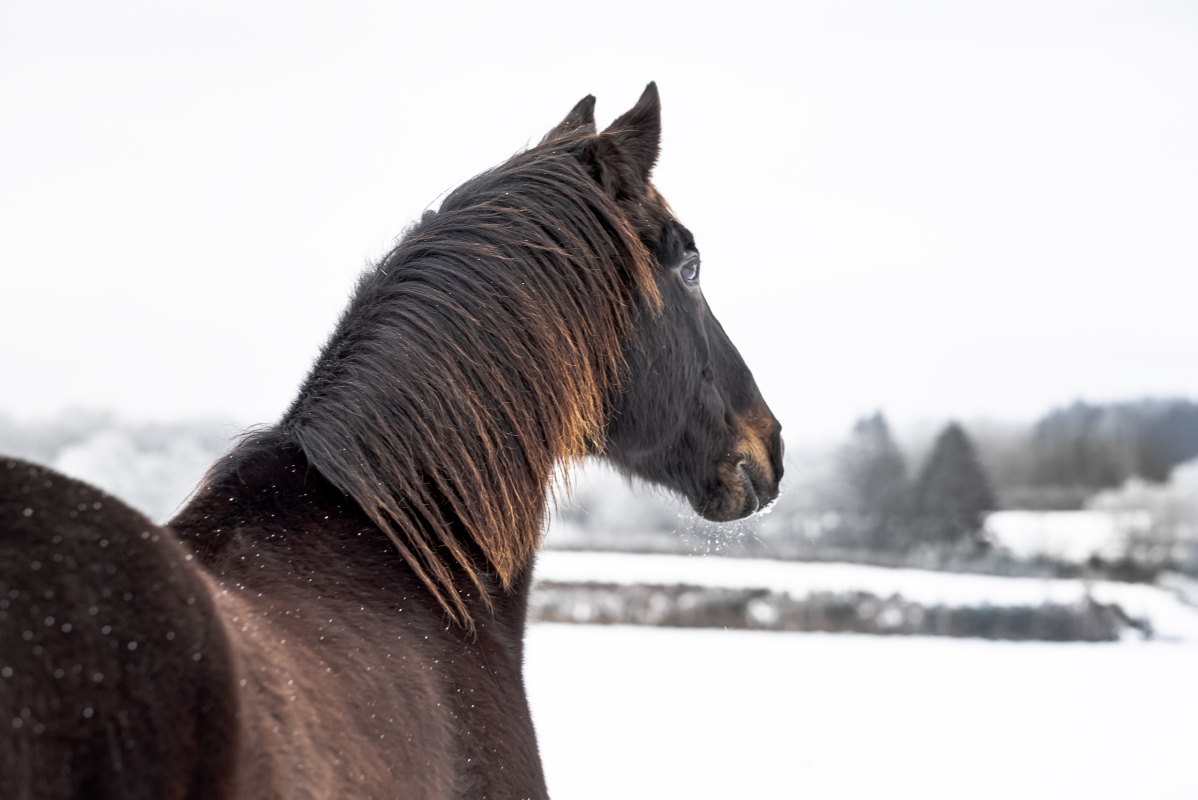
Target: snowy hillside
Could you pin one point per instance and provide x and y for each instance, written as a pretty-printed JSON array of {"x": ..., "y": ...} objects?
[{"x": 152, "y": 467}]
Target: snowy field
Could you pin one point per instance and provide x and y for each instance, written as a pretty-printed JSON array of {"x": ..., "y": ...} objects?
[
  {"x": 695, "y": 714},
  {"x": 1067, "y": 535},
  {"x": 1171, "y": 618}
]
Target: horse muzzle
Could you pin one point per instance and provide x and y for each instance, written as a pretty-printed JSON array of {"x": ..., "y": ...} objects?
[{"x": 747, "y": 481}]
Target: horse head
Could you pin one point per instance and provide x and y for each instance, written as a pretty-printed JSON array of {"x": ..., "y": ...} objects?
[{"x": 687, "y": 414}]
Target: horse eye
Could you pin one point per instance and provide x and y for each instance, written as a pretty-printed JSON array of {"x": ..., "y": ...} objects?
[{"x": 690, "y": 270}]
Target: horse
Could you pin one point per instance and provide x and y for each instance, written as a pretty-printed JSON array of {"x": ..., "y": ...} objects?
[{"x": 339, "y": 609}]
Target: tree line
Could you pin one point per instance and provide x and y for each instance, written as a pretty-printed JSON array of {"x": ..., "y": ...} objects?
[
  {"x": 1075, "y": 451},
  {"x": 1101, "y": 446},
  {"x": 1067, "y": 456}
]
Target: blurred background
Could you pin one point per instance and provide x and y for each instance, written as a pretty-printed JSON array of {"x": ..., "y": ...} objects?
[{"x": 955, "y": 241}]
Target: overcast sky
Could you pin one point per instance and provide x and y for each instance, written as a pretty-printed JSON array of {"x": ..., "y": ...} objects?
[{"x": 938, "y": 209}]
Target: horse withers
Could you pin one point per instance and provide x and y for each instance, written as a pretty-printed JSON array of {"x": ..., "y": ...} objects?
[{"x": 339, "y": 610}]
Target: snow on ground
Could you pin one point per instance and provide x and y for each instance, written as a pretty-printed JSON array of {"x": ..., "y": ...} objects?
[
  {"x": 1067, "y": 535},
  {"x": 695, "y": 714},
  {"x": 1170, "y": 617}
]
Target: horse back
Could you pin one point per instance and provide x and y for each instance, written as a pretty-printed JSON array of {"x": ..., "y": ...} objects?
[{"x": 115, "y": 676}]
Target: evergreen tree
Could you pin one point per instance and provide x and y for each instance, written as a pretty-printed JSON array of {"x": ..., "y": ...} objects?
[
  {"x": 872, "y": 482},
  {"x": 953, "y": 492}
]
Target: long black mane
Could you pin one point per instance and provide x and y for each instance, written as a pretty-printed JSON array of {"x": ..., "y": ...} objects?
[{"x": 445, "y": 422}]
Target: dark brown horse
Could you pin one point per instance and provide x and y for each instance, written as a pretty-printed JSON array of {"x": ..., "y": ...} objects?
[{"x": 340, "y": 610}]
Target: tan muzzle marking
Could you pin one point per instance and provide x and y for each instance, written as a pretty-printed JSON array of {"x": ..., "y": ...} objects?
[{"x": 756, "y": 429}]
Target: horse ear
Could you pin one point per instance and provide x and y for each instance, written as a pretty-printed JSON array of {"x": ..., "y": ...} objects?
[
  {"x": 581, "y": 118},
  {"x": 637, "y": 132}
]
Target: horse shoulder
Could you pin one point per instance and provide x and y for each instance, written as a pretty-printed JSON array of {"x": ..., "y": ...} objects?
[{"x": 339, "y": 696}]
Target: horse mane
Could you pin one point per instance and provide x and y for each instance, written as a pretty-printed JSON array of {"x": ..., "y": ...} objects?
[{"x": 474, "y": 358}]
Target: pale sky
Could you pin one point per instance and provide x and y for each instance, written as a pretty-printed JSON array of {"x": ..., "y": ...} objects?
[{"x": 936, "y": 209}]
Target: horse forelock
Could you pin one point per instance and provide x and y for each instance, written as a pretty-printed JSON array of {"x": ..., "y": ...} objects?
[{"x": 477, "y": 356}]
